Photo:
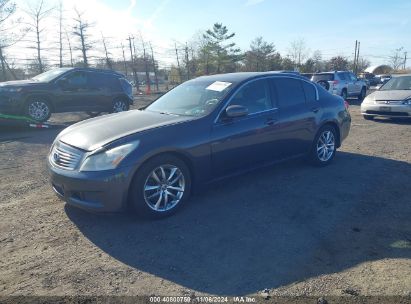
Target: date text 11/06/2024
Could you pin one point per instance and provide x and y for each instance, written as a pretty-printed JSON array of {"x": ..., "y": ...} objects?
[{"x": 202, "y": 299}]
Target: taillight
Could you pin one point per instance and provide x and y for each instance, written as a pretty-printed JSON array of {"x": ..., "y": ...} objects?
[{"x": 346, "y": 104}]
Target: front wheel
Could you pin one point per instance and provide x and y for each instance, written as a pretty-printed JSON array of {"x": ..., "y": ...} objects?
[
  {"x": 324, "y": 146},
  {"x": 38, "y": 109},
  {"x": 160, "y": 187},
  {"x": 120, "y": 105},
  {"x": 368, "y": 117}
]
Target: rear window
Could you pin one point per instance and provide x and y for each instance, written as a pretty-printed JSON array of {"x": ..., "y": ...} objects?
[{"x": 326, "y": 77}]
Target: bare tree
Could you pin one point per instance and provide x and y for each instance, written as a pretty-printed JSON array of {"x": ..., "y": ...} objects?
[
  {"x": 298, "y": 52},
  {"x": 70, "y": 48},
  {"x": 60, "y": 16},
  {"x": 80, "y": 30},
  {"x": 396, "y": 59},
  {"x": 9, "y": 35},
  {"x": 108, "y": 60},
  {"x": 37, "y": 13}
]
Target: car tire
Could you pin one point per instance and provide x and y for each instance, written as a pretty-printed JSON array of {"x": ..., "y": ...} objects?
[
  {"x": 93, "y": 114},
  {"x": 120, "y": 105},
  {"x": 324, "y": 146},
  {"x": 160, "y": 187},
  {"x": 368, "y": 117},
  {"x": 362, "y": 94},
  {"x": 344, "y": 94},
  {"x": 38, "y": 109}
]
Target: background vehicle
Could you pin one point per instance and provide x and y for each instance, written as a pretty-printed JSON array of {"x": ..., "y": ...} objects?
[
  {"x": 392, "y": 100},
  {"x": 66, "y": 90},
  {"x": 384, "y": 78},
  {"x": 307, "y": 75},
  {"x": 201, "y": 131},
  {"x": 342, "y": 83},
  {"x": 370, "y": 77}
]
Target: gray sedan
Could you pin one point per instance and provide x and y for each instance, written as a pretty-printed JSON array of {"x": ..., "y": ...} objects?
[{"x": 392, "y": 100}]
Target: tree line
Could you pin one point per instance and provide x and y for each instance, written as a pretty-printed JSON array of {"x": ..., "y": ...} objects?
[{"x": 212, "y": 51}]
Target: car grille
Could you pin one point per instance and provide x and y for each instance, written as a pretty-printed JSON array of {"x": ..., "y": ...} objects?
[
  {"x": 390, "y": 102},
  {"x": 65, "y": 157}
]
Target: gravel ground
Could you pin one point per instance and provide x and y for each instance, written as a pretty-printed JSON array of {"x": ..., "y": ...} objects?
[{"x": 293, "y": 229}]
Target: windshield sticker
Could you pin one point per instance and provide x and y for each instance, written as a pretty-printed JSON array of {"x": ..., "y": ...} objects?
[{"x": 218, "y": 86}]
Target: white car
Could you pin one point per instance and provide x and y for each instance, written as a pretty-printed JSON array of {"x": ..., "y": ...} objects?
[{"x": 393, "y": 99}]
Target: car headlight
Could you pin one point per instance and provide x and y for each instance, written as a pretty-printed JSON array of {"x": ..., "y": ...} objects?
[
  {"x": 10, "y": 90},
  {"x": 407, "y": 102},
  {"x": 108, "y": 159}
]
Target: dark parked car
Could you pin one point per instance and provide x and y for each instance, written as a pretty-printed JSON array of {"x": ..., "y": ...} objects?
[
  {"x": 201, "y": 131},
  {"x": 66, "y": 90}
]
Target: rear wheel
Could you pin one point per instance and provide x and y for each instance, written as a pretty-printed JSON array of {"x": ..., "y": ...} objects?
[
  {"x": 324, "y": 147},
  {"x": 362, "y": 94},
  {"x": 160, "y": 187},
  {"x": 38, "y": 109}
]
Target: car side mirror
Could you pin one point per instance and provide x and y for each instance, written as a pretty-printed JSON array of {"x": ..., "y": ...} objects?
[{"x": 234, "y": 111}]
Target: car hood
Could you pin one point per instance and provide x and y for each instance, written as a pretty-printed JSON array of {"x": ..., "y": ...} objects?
[
  {"x": 390, "y": 95},
  {"x": 20, "y": 83},
  {"x": 94, "y": 133}
]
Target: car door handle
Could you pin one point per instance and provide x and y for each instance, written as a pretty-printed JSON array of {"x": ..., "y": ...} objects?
[
  {"x": 270, "y": 121},
  {"x": 315, "y": 109}
]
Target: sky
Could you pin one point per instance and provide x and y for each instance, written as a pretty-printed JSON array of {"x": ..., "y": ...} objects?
[{"x": 326, "y": 25}]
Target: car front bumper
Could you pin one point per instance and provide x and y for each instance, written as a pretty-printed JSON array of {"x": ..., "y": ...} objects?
[
  {"x": 10, "y": 104},
  {"x": 386, "y": 110},
  {"x": 105, "y": 191}
]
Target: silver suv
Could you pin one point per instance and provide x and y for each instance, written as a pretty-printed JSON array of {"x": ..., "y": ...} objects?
[{"x": 342, "y": 83}]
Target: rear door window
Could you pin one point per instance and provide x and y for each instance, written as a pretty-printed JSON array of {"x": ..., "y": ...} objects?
[
  {"x": 96, "y": 81},
  {"x": 290, "y": 91},
  {"x": 325, "y": 76}
]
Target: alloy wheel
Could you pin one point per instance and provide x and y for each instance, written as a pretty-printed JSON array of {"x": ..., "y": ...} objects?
[
  {"x": 38, "y": 110},
  {"x": 119, "y": 106},
  {"x": 325, "y": 146},
  {"x": 164, "y": 188}
]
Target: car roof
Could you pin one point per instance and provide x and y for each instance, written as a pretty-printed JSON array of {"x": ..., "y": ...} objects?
[
  {"x": 330, "y": 72},
  {"x": 95, "y": 70},
  {"x": 242, "y": 76}
]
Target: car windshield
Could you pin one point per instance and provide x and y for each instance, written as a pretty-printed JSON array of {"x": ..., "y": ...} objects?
[
  {"x": 398, "y": 83},
  {"x": 192, "y": 98},
  {"x": 50, "y": 75}
]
